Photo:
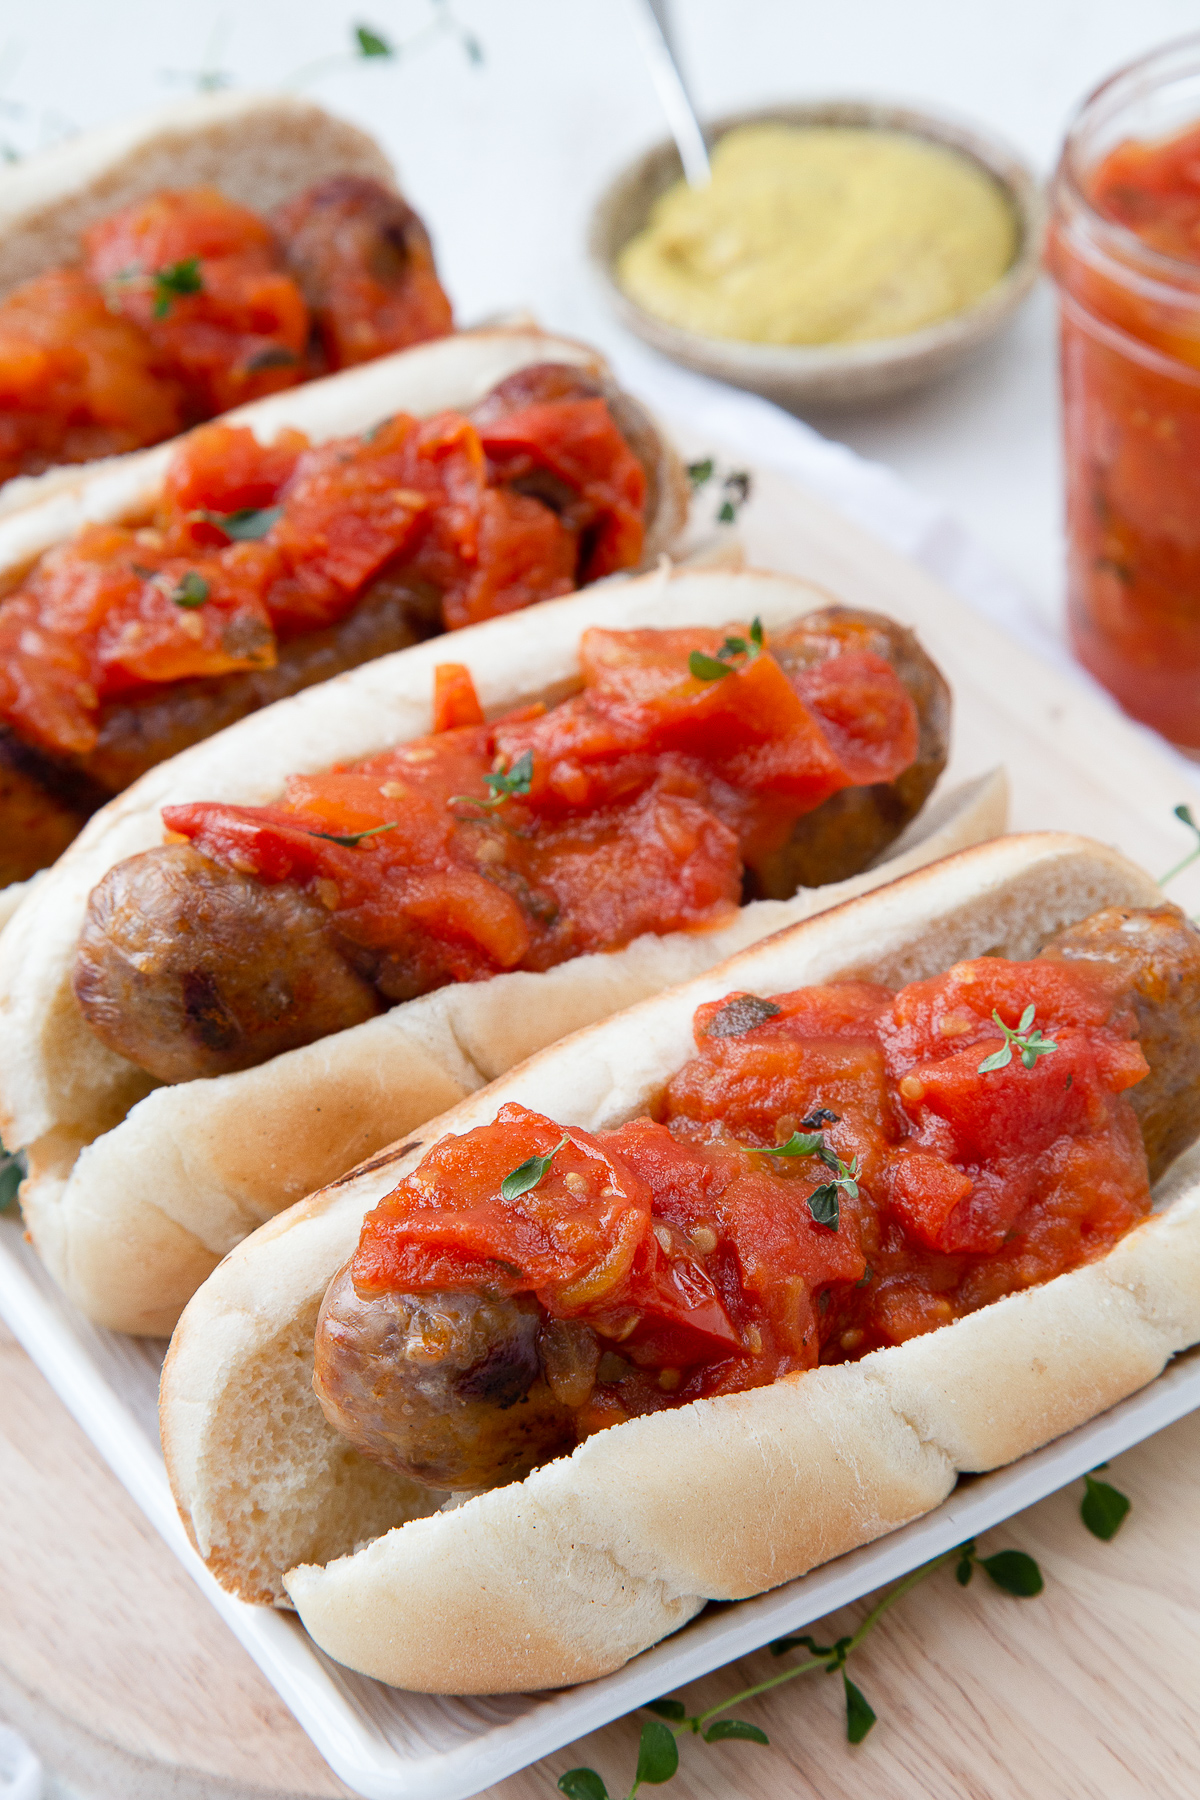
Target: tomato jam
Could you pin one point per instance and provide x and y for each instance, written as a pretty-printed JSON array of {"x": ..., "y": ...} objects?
[
  {"x": 639, "y": 805},
  {"x": 1125, "y": 251},
  {"x": 187, "y": 304},
  {"x": 254, "y": 545},
  {"x": 836, "y": 1170}
]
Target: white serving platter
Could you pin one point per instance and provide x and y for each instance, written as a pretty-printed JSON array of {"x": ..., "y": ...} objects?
[{"x": 1074, "y": 765}]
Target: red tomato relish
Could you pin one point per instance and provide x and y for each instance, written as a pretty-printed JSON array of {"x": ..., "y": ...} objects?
[
  {"x": 117, "y": 610},
  {"x": 188, "y": 304},
  {"x": 633, "y": 807},
  {"x": 697, "y": 1259},
  {"x": 1131, "y": 391}
]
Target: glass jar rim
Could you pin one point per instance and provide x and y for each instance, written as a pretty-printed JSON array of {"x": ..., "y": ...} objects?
[{"x": 1132, "y": 249}]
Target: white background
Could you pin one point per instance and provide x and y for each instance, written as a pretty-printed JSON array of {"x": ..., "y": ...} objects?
[{"x": 504, "y": 159}]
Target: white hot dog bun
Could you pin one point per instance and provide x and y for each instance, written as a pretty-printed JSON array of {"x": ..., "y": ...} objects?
[
  {"x": 134, "y": 1195},
  {"x": 565, "y": 1575},
  {"x": 259, "y": 149}
]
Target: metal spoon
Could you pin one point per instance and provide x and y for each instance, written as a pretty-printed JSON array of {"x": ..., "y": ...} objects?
[{"x": 652, "y": 23}]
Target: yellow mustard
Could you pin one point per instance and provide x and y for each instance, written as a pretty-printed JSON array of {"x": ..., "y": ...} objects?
[{"x": 822, "y": 235}]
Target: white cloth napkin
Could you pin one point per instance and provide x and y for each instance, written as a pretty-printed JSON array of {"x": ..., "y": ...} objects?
[{"x": 868, "y": 494}]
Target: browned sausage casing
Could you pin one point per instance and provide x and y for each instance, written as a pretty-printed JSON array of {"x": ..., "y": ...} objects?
[
  {"x": 1153, "y": 956},
  {"x": 188, "y": 968}
]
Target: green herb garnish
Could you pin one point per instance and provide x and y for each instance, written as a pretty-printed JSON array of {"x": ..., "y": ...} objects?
[
  {"x": 275, "y": 356},
  {"x": 736, "y": 489},
  {"x": 371, "y": 43},
  {"x": 1184, "y": 815},
  {"x": 1031, "y": 1044},
  {"x": 824, "y": 1202},
  {"x": 1103, "y": 1508},
  {"x": 698, "y": 473},
  {"x": 521, "y": 1180},
  {"x": 191, "y": 592},
  {"x": 712, "y": 668},
  {"x": 352, "y": 839},
  {"x": 179, "y": 278},
  {"x": 247, "y": 524},
  {"x": 658, "y": 1752},
  {"x": 504, "y": 784},
  {"x": 13, "y": 1170}
]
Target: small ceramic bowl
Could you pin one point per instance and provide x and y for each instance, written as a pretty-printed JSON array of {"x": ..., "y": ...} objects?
[{"x": 818, "y": 375}]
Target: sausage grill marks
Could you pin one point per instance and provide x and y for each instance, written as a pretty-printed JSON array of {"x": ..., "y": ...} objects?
[
  {"x": 476, "y": 1332},
  {"x": 647, "y": 804},
  {"x": 560, "y": 490}
]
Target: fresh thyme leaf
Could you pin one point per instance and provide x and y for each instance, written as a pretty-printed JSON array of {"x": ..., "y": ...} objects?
[
  {"x": 371, "y": 43},
  {"x": 1014, "y": 1572},
  {"x": 353, "y": 839},
  {"x": 516, "y": 780},
  {"x": 801, "y": 1143},
  {"x": 860, "y": 1715},
  {"x": 866, "y": 1278},
  {"x": 13, "y": 1170},
  {"x": 964, "y": 1568},
  {"x": 582, "y": 1784},
  {"x": 742, "y": 1014},
  {"x": 824, "y": 1201},
  {"x": 700, "y": 472},
  {"x": 1103, "y": 1507},
  {"x": 1031, "y": 1044},
  {"x": 191, "y": 592},
  {"x": 735, "y": 1728},
  {"x": 667, "y": 1709},
  {"x": 178, "y": 278},
  {"x": 823, "y": 1204},
  {"x": 247, "y": 524},
  {"x": 756, "y": 633},
  {"x": 658, "y": 1754},
  {"x": 526, "y": 1176},
  {"x": 707, "y": 668}
]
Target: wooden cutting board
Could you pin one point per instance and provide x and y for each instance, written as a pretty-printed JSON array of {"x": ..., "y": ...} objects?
[{"x": 127, "y": 1682}]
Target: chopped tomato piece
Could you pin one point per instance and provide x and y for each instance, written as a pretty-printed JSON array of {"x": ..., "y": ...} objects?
[{"x": 455, "y": 701}]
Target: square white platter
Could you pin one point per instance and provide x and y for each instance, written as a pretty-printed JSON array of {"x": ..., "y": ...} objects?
[{"x": 1073, "y": 765}]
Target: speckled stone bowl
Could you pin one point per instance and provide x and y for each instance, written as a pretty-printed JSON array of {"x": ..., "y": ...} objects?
[{"x": 811, "y": 376}]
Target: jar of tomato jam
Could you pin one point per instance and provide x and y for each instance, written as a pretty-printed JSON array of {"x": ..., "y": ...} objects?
[{"x": 1124, "y": 250}]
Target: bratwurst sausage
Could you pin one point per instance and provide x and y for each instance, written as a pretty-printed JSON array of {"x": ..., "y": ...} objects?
[
  {"x": 134, "y": 920},
  {"x": 402, "y": 1399}
]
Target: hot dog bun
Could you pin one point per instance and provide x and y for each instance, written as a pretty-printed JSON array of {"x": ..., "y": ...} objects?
[
  {"x": 259, "y": 149},
  {"x": 134, "y": 1195},
  {"x": 563, "y": 1576}
]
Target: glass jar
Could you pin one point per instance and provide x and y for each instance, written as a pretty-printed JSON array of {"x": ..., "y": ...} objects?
[{"x": 1124, "y": 250}]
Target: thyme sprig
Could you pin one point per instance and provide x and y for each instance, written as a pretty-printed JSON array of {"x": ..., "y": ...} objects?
[
  {"x": 1013, "y": 1571},
  {"x": 504, "y": 784},
  {"x": 368, "y": 44},
  {"x": 713, "y": 668},
  {"x": 735, "y": 487},
  {"x": 824, "y": 1201},
  {"x": 1031, "y": 1044},
  {"x": 1184, "y": 815}
]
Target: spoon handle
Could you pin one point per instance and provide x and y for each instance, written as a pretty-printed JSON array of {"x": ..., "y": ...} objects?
[{"x": 652, "y": 22}]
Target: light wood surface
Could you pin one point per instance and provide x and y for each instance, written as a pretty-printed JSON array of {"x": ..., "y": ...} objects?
[{"x": 127, "y": 1682}]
